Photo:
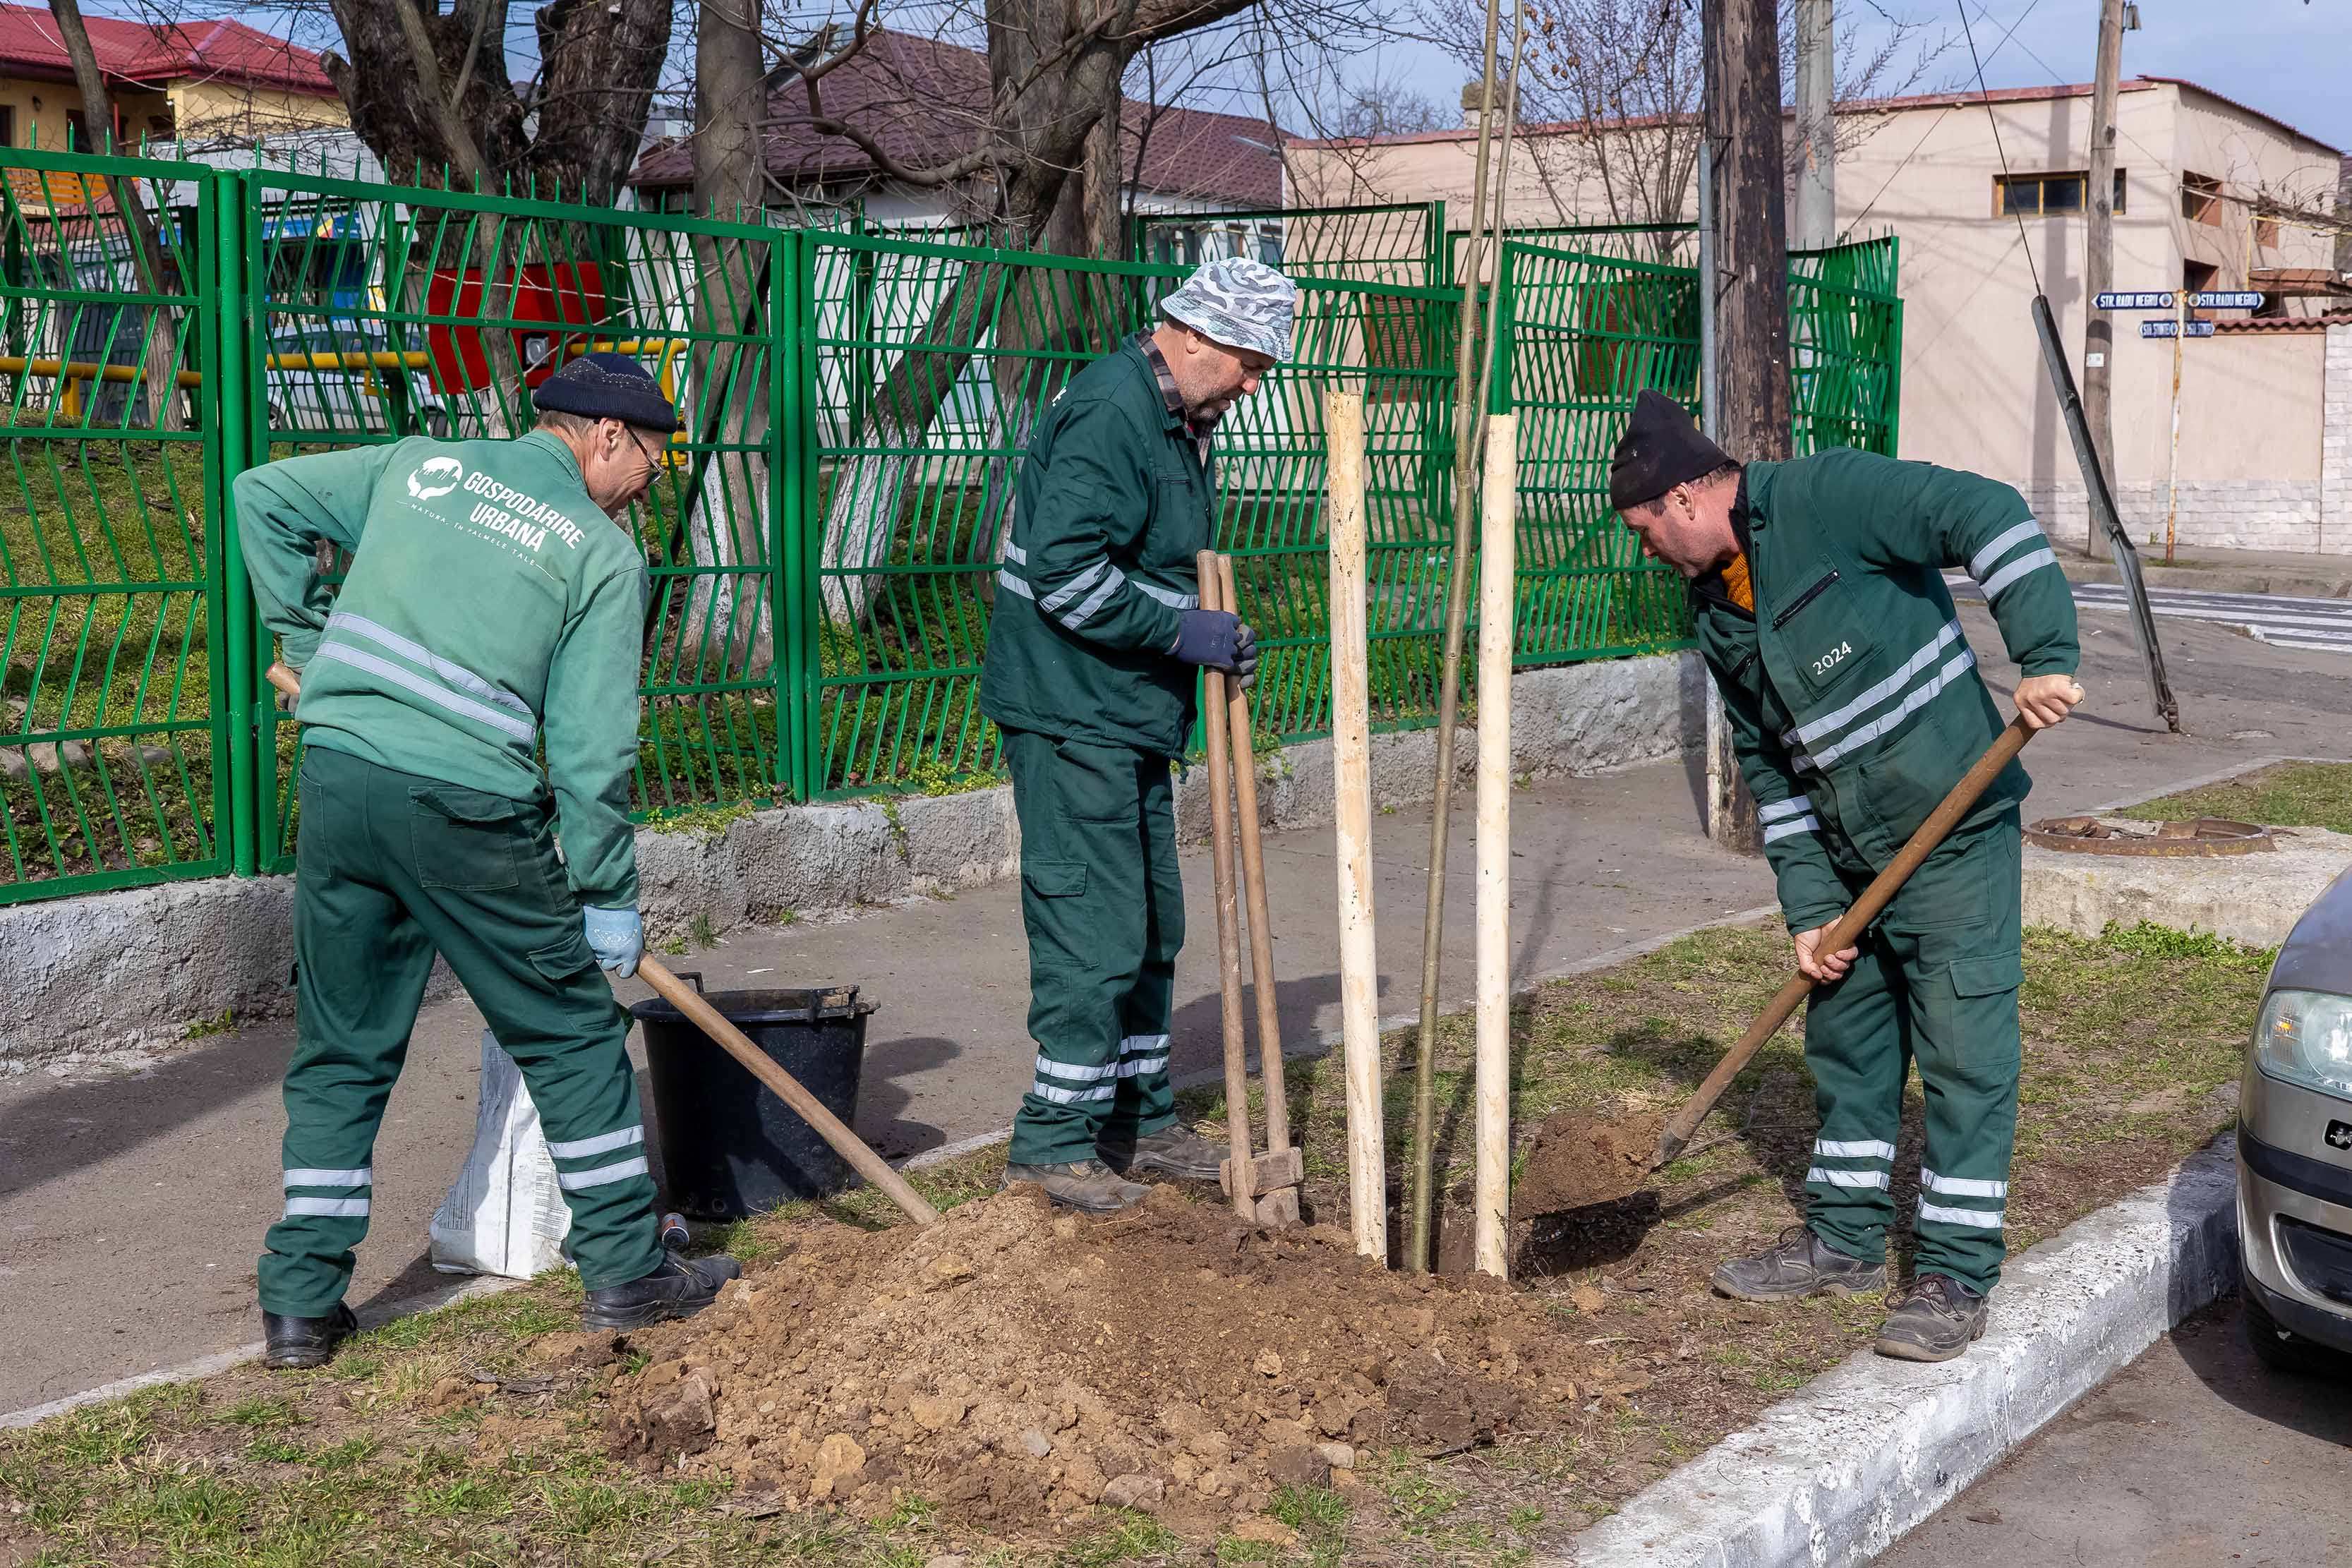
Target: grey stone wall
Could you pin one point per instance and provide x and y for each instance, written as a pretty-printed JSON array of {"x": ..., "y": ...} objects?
[{"x": 2221, "y": 514}]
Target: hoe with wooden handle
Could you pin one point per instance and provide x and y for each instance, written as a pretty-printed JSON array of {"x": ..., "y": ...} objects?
[{"x": 757, "y": 1062}]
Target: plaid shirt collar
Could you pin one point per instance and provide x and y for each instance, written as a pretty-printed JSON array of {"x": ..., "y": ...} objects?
[{"x": 1199, "y": 431}]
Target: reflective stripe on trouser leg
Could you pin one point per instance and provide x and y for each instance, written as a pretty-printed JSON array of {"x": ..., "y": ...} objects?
[
  {"x": 1857, "y": 1046},
  {"x": 1964, "y": 1007},
  {"x": 1087, "y": 906},
  {"x": 360, "y": 966}
]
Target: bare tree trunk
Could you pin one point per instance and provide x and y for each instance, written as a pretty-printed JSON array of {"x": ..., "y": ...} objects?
[
  {"x": 725, "y": 630},
  {"x": 160, "y": 335}
]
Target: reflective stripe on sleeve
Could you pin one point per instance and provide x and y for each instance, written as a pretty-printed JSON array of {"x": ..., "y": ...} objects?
[
  {"x": 1783, "y": 830},
  {"x": 310, "y": 1176},
  {"x": 603, "y": 1144},
  {"x": 327, "y": 1208},
  {"x": 2016, "y": 569},
  {"x": 602, "y": 1176},
  {"x": 1986, "y": 559},
  {"x": 1781, "y": 808}
]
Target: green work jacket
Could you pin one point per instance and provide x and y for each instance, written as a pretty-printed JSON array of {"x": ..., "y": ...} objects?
[
  {"x": 1853, "y": 699},
  {"x": 493, "y": 607},
  {"x": 1113, "y": 505}
]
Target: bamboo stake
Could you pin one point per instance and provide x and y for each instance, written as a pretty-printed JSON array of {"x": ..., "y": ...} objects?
[
  {"x": 1466, "y": 404},
  {"x": 1229, "y": 955},
  {"x": 1351, "y": 768},
  {"x": 1261, "y": 918},
  {"x": 1496, "y": 585}
]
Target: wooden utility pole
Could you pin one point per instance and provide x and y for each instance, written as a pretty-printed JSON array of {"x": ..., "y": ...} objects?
[
  {"x": 2099, "y": 252},
  {"x": 1742, "y": 115},
  {"x": 1816, "y": 223}
]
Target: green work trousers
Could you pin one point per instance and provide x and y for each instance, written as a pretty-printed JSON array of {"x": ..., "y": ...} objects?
[
  {"x": 1936, "y": 982},
  {"x": 1102, "y": 903},
  {"x": 394, "y": 867}
]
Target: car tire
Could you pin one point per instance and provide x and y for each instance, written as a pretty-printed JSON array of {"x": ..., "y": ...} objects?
[{"x": 2282, "y": 1350}]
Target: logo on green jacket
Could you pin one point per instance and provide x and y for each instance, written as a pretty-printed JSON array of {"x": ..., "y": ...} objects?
[{"x": 435, "y": 477}]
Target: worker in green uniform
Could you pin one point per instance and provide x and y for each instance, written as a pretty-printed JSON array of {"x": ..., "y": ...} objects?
[
  {"x": 1091, "y": 664},
  {"x": 492, "y": 607},
  {"x": 1854, "y": 705}
]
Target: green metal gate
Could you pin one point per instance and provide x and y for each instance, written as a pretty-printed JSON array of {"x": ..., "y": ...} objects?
[
  {"x": 373, "y": 315},
  {"x": 115, "y": 761}
]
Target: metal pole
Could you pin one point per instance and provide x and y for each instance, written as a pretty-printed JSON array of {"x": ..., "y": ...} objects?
[
  {"x": 2099, "y": 251},
  {"x": 2172, "y": 469},
  {"x": 1816, "y": 223}
]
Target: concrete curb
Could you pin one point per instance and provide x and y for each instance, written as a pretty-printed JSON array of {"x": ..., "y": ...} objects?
[{"x": 1874, "y": 1446}]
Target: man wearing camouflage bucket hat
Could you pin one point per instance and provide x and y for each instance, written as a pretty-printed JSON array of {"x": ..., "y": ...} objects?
[{"x": 1090, "y": 672}]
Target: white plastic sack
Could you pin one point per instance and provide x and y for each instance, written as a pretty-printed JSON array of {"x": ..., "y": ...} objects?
[{"x": 504, "y": 1214}]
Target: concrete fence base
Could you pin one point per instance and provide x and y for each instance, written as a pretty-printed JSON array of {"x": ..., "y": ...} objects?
[{"x": 123, "y": 974}]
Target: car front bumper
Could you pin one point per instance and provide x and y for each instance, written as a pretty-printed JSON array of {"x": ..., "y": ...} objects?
[{"x": 2295, "y": 1207}]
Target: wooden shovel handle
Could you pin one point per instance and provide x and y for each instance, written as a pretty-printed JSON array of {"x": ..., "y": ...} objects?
[
  {"x": 829, "y": 1127},
  {"x": 1216, "y": 731},
  {"x": 1261, "y": 917},
  {"x": 1843, "y": 935}
]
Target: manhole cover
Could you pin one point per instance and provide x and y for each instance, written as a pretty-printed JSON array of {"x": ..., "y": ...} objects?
[{"x": 2199, "y": 835}]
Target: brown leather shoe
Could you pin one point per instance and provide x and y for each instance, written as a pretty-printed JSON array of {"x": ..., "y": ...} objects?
[{"x": 1087, "y": 1185}]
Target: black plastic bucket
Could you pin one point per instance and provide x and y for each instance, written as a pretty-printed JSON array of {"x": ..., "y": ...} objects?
[{"x": 730, "y": 1147}]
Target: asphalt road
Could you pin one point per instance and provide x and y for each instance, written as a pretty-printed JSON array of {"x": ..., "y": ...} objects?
[{"x": 2194, "y": 1456}]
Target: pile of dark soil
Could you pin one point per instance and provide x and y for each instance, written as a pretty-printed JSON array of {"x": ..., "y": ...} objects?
[{"x": 1010, "y": 1365}]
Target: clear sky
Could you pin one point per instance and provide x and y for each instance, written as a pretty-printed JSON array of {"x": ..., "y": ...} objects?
[{"x": 2286, "y": 57}]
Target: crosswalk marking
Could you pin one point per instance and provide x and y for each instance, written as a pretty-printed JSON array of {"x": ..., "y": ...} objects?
[{"x": 2282, "y": 620}]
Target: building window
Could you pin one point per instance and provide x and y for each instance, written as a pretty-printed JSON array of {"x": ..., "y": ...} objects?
[
  {"x": 7, "y": 125},
  {"x": 2201, "y": 199},
  {"x": 2266, "y": 232},
  {"x": 2046, "y": 196}
]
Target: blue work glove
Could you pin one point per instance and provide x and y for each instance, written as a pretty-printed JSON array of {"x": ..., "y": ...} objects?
[
  {"x": 1217, "y": 639},
  {"x": 617, "y": 938}
]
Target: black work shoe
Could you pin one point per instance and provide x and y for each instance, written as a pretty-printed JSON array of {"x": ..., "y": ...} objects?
[
  {"x": 679, "y": 1289},
  {"x": 1935, "y": 1320},
  {"x": 1176, "y": 1150},
  {"x": 1087, "y": 1185},
  {"x": 294, "y": 1343},
  {"x": 1800, "y": 1264}
]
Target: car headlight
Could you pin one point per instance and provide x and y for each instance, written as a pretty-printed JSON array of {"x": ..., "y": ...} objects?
[{"x": 2306, "y": 1037}]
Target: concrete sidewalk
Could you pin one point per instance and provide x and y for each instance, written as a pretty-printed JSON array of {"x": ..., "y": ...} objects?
[
  {"x": 2292, "y": 574},
  {"x": 131, "y": 1208}
]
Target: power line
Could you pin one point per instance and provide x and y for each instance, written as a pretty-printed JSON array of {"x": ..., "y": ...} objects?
[
  {"x": 1888, "y": 182},
  {"x": 1994, "y": 120}
]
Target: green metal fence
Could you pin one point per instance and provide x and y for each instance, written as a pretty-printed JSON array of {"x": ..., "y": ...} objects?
[
  {"x": 823, "y": 538},
  {"x": 113, "y": 745}
]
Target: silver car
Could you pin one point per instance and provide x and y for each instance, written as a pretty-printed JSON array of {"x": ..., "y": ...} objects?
[{"x": 2295, "y": 1147}]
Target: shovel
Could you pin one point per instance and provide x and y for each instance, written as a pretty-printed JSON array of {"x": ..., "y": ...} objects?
[
  {"x": 1264, "y": 1188},
  {"x": 757, "y": 1062},
  {"x": 1848, "y": 930}
]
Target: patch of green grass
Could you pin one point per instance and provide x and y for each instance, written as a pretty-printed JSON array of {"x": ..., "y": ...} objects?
[
  {"x": 2285, "y": 794},
  {"x": 264, "y": 1415},
  {"x": 707, "y": 823},
  {"x": 1124, "y": 1536},
  {"x": 702, "y": 931},
  {"x": 221, "y": 1023}
]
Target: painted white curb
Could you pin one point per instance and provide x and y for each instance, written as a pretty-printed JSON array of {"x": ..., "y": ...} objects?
[{"x": 1871, "y": 1447}]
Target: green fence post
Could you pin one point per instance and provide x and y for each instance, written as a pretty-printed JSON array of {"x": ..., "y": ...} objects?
[
  {"x": 227, "y": 382},
  {"x": 803, "y": 454},
  {"x": 787, "y": 515}
]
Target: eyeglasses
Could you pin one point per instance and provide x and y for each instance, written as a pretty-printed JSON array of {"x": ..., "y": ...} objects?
[{"x": 653, "y": 457}]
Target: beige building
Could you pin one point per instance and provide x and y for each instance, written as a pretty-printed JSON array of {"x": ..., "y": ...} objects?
[
  {"x": 218, "y": 81},
  {"x": 2209, "y": 189}
]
